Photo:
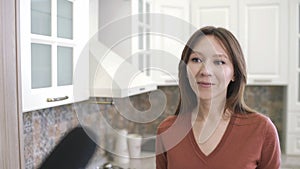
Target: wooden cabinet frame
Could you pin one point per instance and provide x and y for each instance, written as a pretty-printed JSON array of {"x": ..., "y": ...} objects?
[{"x": 10, "y": 102}]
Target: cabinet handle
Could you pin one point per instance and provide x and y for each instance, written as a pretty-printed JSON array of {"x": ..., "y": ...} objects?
[
  {"x": 57, "y": 99},
  {"x": 110, "y": 102},
  {"x": 171, "y": 81},
  {"x": 263, "y": 80}
]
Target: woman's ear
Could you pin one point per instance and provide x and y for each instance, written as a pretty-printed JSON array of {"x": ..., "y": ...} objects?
[{"x": 233, "y": 78}]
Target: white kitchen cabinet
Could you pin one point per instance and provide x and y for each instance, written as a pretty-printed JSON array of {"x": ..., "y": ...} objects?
[
  {"x": 53, "y": 34},
  {"x": 259, "y": 25},
  {"x": 173, "y": 31},
  {"x": 218, "y": 13},
  {"x": 263, "y": 26},
  {"x": 119, "y": 57},
  {"x": 141, "y": 25},
  {"x": 293, "y": 95}
]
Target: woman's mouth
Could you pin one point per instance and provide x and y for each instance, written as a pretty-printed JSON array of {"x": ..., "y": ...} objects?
[{"x": 205, "y": 84}]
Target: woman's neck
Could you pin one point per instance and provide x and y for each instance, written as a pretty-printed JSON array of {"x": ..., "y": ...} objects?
[{"x": 206, "y": 107}]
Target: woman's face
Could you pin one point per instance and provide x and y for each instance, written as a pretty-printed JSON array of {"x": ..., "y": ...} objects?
[{"x": 210, "y": 69}]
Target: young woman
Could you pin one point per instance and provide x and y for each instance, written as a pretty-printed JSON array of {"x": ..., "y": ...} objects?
[{"x": 213, "y": 128}]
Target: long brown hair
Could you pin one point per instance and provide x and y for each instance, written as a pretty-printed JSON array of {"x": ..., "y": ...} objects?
[{"x": 235, "y": 91}]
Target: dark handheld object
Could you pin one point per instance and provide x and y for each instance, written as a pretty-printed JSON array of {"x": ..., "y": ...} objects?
[{"x": 72, "y": 152}]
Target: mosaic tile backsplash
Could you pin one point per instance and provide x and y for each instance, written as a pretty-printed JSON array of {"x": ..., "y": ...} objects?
[{"x": 43, "y": 129}]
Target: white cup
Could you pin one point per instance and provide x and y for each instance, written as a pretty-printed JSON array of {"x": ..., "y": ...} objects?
[
  {"x": 121, "y": 148},
  {"x": 134, "y": 142}
]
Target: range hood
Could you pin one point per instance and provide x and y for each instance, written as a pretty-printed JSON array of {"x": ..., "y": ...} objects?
[{"x": 113, "y": 76}]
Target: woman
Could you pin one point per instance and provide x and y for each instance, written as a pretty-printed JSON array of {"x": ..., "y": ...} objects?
[{"x": 219, "y": 130}]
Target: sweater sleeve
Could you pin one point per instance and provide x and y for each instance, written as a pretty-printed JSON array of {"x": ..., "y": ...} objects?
[
  {"x": 270, "y": 155},
  {"x": 161, "y": 154}
]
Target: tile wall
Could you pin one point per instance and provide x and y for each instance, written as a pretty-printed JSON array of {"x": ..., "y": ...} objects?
[{"x": 44, "y": 128}]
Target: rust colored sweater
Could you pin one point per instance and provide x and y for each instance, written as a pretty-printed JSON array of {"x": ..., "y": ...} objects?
[{"x": 249, "y": 142}]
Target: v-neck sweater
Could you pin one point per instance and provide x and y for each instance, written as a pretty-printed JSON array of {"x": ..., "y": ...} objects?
[{"x": 250, "y": 141}]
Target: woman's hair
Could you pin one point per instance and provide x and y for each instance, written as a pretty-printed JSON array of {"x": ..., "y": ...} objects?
[{"x": 235, "y": 91}]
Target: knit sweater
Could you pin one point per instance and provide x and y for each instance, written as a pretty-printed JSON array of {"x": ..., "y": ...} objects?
[{"x": 250, "y": 141}]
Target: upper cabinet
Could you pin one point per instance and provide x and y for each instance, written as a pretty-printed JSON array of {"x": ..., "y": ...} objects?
[
  {"x": 263, "y": 27},
  {"x": 172, "y": 30},
  {"x": 219, "y": 13},
  {"x": 259, "y": 25},
  {"x": 53, "y": 36},
  {"x": 119, "y": 49}
]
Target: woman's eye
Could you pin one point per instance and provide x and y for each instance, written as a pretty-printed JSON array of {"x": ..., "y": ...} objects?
[
  {"x": 196, "y": 60},
  {"x": 219, "y": 62}
]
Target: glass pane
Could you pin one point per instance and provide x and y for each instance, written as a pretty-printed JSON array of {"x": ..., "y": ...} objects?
[
  {"x": 41, "y": 17},
  {"x": 148, "y": 39},
  {"x": 141, "y": 61},
  {"x": 40, "y": 65},
  {"x": 147, "y": 64},
  {"x": 64, "y": 66},
  {"x": 141, "y": 38},
  {"x": 298, "y": 87},
  {"x": 141, "y": 10},
  {"x": 298, "y": 53},
  {"x": 65, "y": 19},
  {"x": 148, "y": 13}
]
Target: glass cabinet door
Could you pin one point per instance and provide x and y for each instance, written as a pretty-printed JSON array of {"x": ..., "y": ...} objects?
[
  {"x": 51, "y": 68},
  {"x": 53, "y": 34}
]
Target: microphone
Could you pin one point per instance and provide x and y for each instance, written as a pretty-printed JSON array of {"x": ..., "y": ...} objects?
[{"x": 72, "y": 152}]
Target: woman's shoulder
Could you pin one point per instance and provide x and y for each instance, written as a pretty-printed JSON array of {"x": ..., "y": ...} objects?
[
  {"x": 252, "y": 118},
  {"x": 167, "y": 122}
]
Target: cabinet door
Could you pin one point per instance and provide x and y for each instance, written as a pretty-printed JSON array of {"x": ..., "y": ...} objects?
[
  {"x": 218, "y": 13},
  {"x": 294, "y": 56},
  {"x": 140, "y": 44},
  {"x": 293, "y": 133},
  {"x": 263, "y": 28},
  {"x": 174, "y": 30},
  {"x": 53, "y": 63}
]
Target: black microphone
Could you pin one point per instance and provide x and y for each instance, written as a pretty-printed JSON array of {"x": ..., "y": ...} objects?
[{"x": 72, "y": 152}]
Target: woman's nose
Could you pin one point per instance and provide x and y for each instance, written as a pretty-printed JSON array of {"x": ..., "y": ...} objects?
[{"x": 204, "y": 70}]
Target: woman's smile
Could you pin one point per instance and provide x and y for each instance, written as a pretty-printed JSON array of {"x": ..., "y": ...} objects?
[{"x": 203, "y": 84}]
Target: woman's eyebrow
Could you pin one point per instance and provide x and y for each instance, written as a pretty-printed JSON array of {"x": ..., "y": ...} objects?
[
  {"x": 214, "y": 55},
  {"x": 198, "y": 53},
  {"x": 220, "y": 55}
]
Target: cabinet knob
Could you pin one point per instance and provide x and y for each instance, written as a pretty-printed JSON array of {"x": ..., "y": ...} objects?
[{"x": 57, "y": 99}]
